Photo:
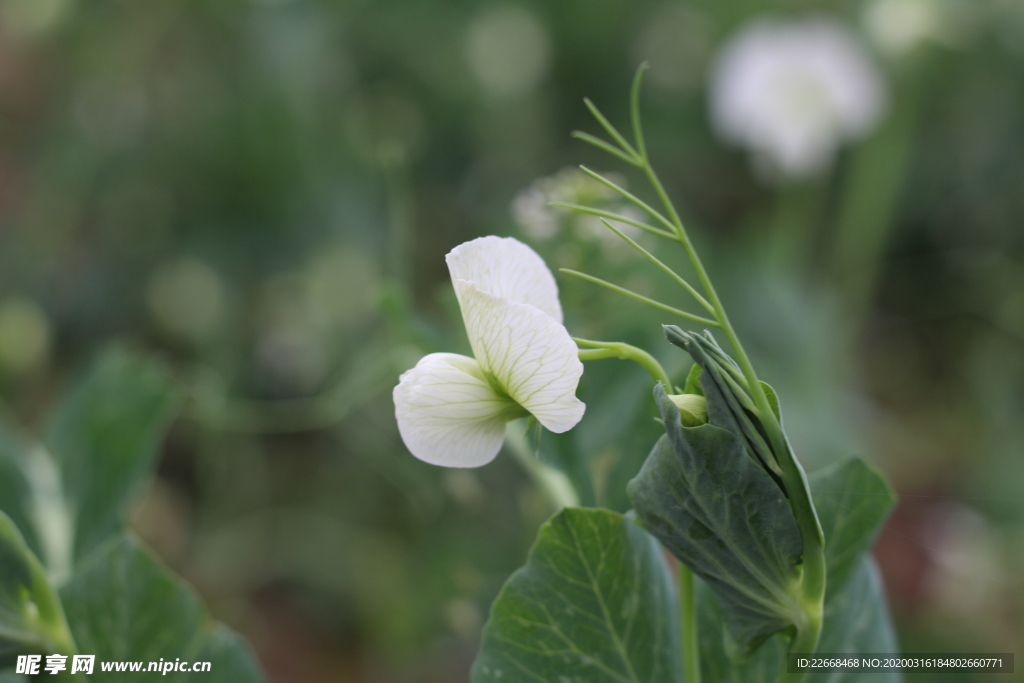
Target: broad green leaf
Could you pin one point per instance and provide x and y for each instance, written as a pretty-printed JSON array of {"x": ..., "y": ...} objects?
[
  {"x": 31, "y": 618},
  {"x": 856, "y": 621},
  {"x": 123, "y": 605},
  {"x": 720, "y": 658},
  {"x": 73, "y": 497},
  {"x": 716, "y": 509},
  {"x": 104, "y": 437},
  {"x": 8, "y": 677},
  {"x": 594, "y": 604},
  {"x": 853, "y": 500}
]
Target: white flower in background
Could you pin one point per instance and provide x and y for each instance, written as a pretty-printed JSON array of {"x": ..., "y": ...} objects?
[
  {"x": 452, "y": 409},
  {"x": 898, "y": 27},
  {"x": 508, "y": 50},
  {"x": 793, "y": 91},
  {"x": 531, "y": 212},
  {"x": 540, "y": 221}
]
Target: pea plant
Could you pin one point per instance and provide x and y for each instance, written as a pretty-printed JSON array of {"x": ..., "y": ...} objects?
[
  {"x": 74, "y": 580},
  {"x": 767, "y": 561}
]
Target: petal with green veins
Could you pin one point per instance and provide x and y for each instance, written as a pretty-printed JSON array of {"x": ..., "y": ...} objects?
[
  {"x": 525, "y": 354},
  {"x": 448, "y": 414},
  {"x": 506, "y": 268}
]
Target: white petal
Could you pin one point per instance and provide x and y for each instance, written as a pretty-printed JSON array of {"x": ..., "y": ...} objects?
[
  {"x": 527, "y": 353},
  {"x": 505, "y": 267},
  {"x": 448, "y": 414}
]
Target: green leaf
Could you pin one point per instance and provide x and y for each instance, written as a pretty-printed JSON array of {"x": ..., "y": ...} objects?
[
  {"x": 853, "y": 499},
  {"x": 731, "y": 407},
  {"x": 594, "y": 604},
  {"x": 720, "y": 658},
  {"x": 31, "y": 618},
  {"x": 230, "y": 656},
  {"x": 124, "y": 605},
  {"x": 8, "y": 677},
  {"x": 121, "y": 604},
  {"x": 692, "y": 385},
  {"x": 104, "y": 437},
  {"x": 717, "y": 510},
  {"x": 856, "y": 621}
]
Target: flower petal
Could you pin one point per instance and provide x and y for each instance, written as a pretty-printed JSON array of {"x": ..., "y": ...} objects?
[
  {"x": 448, "y": 414},
  {"x": 505, "y": 267},
  {"x": 527, "y": 353}
]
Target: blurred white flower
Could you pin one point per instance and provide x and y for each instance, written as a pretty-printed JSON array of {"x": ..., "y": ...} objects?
[
  {"x": 793, "y": 91},
  {"x": 613, "y": 248},
  {"x": 508, "y": 50},
  {"x": 531, "y": 212},
  {"x": 968, "y": 569},
  {"x": 452, "y": 409},
  {"x": 897, "y": 27},
  {"x": 540, "y": 221}
]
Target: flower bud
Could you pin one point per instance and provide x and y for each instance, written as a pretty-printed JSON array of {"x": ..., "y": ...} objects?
[
  {"x": 693, "y": 408},
  {"x": 729, "y": 403}
]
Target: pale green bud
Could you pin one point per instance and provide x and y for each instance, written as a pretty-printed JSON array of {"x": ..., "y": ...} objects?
[{"x": 693, "y": 409}]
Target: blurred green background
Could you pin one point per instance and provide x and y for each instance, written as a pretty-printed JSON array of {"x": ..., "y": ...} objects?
[{"x": 263, "y": 191}]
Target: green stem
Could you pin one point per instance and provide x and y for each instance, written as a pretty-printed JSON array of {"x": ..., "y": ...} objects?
[
  {"x": 624, "y": 351},
  {"x": 870, "y": 196},
  {"x": 555, "y": 485},
  {"x": 793, "y": 477},
  {"x": 808, "y": 621},
  {"x": 688, "y": 625},
  {"x": 49, "y": 620},
  {"x": 51, "y": 612},
  {"x": 791, "y": 238}
]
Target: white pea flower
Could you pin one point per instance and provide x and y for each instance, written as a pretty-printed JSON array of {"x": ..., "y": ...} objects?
[
  {"x": 793, "y": 91},
  {"x": 452, "y": 409}
]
